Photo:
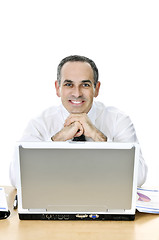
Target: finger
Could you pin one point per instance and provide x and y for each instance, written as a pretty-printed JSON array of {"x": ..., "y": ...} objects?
[
  {"x": 79, "y": 133},
  {"x": 80, "y": 129},
  {"x": 71, "y": 130},
  {"x": 73, "y": 118}
]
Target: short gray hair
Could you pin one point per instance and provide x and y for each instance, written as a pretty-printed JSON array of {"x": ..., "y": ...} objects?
[{"x": 78, "y": 58}]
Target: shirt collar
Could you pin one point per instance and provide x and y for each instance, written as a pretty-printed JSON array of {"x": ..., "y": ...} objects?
[
  {"x": 64, "y": 112},
  {"x": 92, "y": 113}
]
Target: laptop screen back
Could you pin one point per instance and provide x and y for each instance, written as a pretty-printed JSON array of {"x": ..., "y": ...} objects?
[{"x": 76, "y": 180}]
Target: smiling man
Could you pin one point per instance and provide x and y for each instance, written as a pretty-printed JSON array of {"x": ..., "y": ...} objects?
[
  {"x": 77, "y": 85},
  {"x": 79, "y": 116}
]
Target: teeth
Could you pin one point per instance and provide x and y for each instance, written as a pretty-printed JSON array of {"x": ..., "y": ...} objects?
[{"x": 76, "y": 102}]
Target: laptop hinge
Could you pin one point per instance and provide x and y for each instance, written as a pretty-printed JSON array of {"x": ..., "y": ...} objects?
[{"x": 37, "y": 210}]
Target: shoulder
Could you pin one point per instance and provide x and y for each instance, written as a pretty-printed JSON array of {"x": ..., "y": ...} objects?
[
  {"x": 108, "y": 110},
  {"x": 47, "y": 115},
  {"x": 50, "y": 112}
]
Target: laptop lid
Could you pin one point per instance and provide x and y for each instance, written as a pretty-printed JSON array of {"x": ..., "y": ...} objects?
[{"x": 66, "y": 177}]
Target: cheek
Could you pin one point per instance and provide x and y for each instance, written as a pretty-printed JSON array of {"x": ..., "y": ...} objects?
[
  {"x": 64, "y": 93},
  {"x": 90, "y": 94}
]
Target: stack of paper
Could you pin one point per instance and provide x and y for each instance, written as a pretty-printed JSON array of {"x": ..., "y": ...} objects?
[
  {"x": 4, "y": 212},
  {"x": 3, "y": 201},
  {"x": 147, "y": 200}
]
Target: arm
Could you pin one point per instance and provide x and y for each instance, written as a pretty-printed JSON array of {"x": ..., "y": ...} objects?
[
  {"x": 125, "y": 132},
  {"x": 34, "y": 132}
]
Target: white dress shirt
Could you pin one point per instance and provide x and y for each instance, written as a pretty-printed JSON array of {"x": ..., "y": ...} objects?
[{"x": 109, "y": 120}]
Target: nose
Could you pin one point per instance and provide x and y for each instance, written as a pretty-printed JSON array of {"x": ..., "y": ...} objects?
[{"x": 76, "y": 92}]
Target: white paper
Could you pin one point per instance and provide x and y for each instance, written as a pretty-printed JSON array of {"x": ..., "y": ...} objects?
[
  {"x": 3, "y": 200},
  {"x": 147, "y": 200}
]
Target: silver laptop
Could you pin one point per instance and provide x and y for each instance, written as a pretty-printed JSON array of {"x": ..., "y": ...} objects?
[{"x": 77, "y": 180}]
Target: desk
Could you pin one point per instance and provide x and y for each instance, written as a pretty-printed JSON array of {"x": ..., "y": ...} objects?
[{"x": 145, "y": 226}]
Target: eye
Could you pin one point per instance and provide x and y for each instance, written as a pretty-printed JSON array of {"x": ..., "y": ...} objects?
[
  {"x": 86, "y": 85},
  {"x": 68, "y": 84}
]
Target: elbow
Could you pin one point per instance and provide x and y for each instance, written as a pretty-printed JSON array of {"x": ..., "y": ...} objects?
[{"x": 142, "y": 175}]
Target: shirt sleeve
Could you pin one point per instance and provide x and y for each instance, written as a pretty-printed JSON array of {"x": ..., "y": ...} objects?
[
  {"x": 34, "y": 132},
  {"x": 124, "y": 131}
]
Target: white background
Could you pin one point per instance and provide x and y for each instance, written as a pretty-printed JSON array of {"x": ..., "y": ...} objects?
[{"x": 122, "y": 37}]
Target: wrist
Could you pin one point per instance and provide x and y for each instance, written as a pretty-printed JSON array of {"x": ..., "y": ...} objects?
[
  {"x": 56, "y": 137},
  {"x": 59, "y": 137},
  {"x": 99, "y": 137}
]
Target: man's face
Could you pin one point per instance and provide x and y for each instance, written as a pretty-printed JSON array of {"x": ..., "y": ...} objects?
[{"x": 77, "y": 87}]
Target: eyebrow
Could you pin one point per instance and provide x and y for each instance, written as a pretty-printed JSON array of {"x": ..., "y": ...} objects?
[
  {"x": 67, "y": 81},
  {"x": 87, "y": 81},
  {"x": 83, "y": 81}
]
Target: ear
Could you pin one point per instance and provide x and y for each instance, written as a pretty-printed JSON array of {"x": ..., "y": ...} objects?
[
  {"x": 97, "y": 89},
  {"x": 57, "y": 88}
]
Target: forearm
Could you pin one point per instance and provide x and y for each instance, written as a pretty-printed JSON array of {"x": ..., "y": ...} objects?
[
  {"x": 98, "y": 136},
  {"x": 59, "y": 137}
]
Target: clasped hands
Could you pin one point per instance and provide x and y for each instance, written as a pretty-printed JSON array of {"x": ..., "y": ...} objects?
[{"x": 76, "y": 125}]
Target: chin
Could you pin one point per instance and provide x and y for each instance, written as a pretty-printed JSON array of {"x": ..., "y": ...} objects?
[{"x": 76, "y": 111}]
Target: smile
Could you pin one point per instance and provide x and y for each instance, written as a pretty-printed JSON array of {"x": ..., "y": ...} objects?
[{"x": 74, "y": 102}]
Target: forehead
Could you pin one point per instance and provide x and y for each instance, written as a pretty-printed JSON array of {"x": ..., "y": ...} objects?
[{"x": 77, "y": 71}]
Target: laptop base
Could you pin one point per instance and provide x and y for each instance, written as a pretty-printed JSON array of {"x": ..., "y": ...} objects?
[{"x": 115, "y": 217}]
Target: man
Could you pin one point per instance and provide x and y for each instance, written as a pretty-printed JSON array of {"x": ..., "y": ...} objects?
[{"x": 77, "y": 85}]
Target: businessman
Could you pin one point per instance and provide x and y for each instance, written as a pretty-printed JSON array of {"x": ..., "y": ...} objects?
[{"x": 79, "y": 117}]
